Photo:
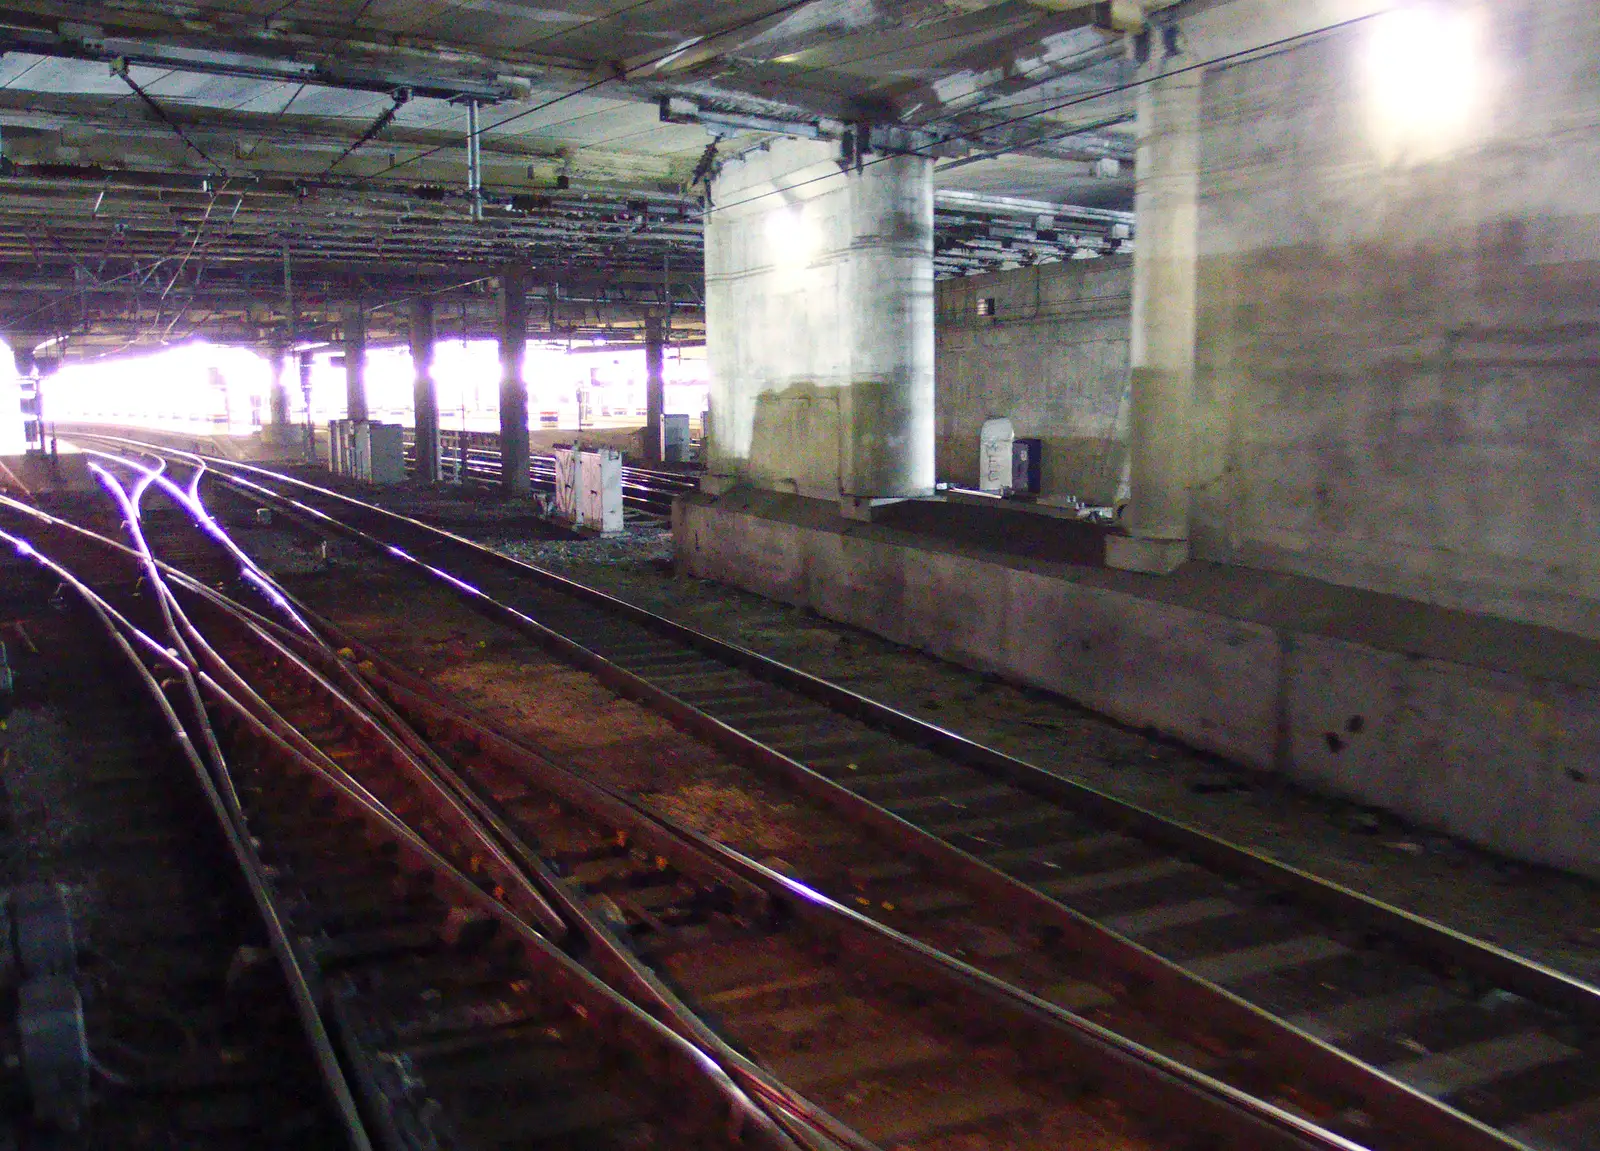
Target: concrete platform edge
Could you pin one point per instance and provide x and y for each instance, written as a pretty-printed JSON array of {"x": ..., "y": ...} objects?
[{"x": 1500, "y": 759}]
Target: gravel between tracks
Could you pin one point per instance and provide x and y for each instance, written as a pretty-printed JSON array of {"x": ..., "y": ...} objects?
[
  {"x": 1547, "y": 915},
  {"x": 1550, "y": 916}
]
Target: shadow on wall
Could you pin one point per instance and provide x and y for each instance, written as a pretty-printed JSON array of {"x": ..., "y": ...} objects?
[
  {"x": 794, "y": 443},
  {"x": 1411, "y": 420},
  {"x": 820, "y": 441}
]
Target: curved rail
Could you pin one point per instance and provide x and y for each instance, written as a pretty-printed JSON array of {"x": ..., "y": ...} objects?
[
  {"x": 1438, "y": 944},
  {"x": 124, "y": 635},
  {"x": 1032, "y": 1025},
  {"x": 1139, "y": 1073},
  {"x": 725, "y": 1113}
]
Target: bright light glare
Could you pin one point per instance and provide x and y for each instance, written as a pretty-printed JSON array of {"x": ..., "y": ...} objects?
[
  {"x": 190, "y": 386},
  {"x": 11, "y": 441},
  {"x": 1425, "y": 66},
  {"x": 791, "y": 237},
  {"x": 205, "y": 387}
]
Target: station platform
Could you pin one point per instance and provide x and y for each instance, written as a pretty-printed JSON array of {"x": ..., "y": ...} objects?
[{"x": 1479, "y": 727}]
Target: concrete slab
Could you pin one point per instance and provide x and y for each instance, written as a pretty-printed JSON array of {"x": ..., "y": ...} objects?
[
  {"x": 1340, "y": 703},
  {"x": 1478, "y": 727},
  {"x": 1206, "y": 679},
  {"x": 945, "y": 612}
]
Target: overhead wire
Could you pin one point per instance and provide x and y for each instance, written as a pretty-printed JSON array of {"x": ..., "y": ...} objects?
[
  {"x": 1142, "y": 82},
  {"x": 879, "y": 54},
  {"x": 121, "y": 70},
  {"x": 565, "y": 96},
  {"x": 1051, "y": 105},
  {"x": 602, "y": 81},
  {"x": 864, "y": 58},
  {"x": 793, "y": 74},
  {"x": 384, "y": 119},
  {"x": 1055, "y": 106}
]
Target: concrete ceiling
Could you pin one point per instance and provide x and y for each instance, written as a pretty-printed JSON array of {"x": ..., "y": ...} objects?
[{"x": 170, "y": 145}]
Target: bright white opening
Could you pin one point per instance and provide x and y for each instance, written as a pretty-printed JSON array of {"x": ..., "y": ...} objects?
[
  {"x": 11, "y": 418},
  {"x": 1425, "y": 80},
  {"x": 791, "y": 236},
  {"x": 205, "y": 387},
  {"x": 188, "y": 386}
]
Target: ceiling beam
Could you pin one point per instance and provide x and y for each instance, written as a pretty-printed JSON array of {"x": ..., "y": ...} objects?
[{"x": 296, "y": 49}]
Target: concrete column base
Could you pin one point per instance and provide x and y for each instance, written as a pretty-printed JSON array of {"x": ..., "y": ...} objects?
[
  {"x": 1151, "y": 556},
  {"x": 718, "y": 485},
  {"x": 863, "y": 508}
]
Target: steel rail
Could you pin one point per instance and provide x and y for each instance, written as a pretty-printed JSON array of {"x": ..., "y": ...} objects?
[
  {"x": 229, "y": 820},
  {"x": 393, "y": 681},
  {"x": 488, "y": 476},
  {"x": 743, "y": 1112},
  {"x": 1051, "y": 1023},
  {"x": 802, "y": 1119},
  {"x": 646, "y": 491},
  {"x": 249, "y": 709},
  {"x": 1514, "y": 972},
  {"x": 1139, "y": 1071},
  {"x": 662, "y": 834},
  {"x": 518, "y": 891},
  {"x": 1223, "y": 1006}
]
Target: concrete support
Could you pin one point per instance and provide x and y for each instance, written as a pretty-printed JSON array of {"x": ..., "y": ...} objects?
[
  {"x": 1428, "y": 713},
  {"x": 355, "y": 362},
  {"x": 655, "y": 388},
  {"x": 819, "y": 313},
  {"x": 424, "y": 390},
  {"x": 1161, "y": 425},
  {"x": 276, "y": 429},
  {"x": 305, "y": 394},
  {"x": 513, "y": 388}
]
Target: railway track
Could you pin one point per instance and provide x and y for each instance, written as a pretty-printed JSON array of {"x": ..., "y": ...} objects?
[
  {"x": 1500, "y": 1039},
  {"x": 436, "y": 897},
  {"x": 190, "y": 1038},
  {"x": 902, "y": 1042},
  {"x": 896, "y": 1047},
  {"x": 463, "y": 1022}
]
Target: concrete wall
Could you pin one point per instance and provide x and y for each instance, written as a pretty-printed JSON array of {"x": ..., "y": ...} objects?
[
  {"x": 1429, "y": 736},
  {"x": 1053, "y": 359},
  {"x": 1397, "y": 378},
  {"x": 819, "y": 322}
]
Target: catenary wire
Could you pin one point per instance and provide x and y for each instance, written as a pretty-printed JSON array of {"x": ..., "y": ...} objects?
[
  {"x": 584, "y": 89},
  {"x": 1132, "y": 85}
]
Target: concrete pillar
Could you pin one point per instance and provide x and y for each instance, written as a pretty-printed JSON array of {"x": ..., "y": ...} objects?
[
  {"x": 305, "y": 392},
  {"x": 819, "y": 313},
  {"x": 1161, "y": 424},
  {"x": 655, "y": 387},
  {"x": 276, "y": 429},
  {"x": 424, "y": 390},
  {"x": 513, "y": 388},
  {"x": 355, "y": 362}
]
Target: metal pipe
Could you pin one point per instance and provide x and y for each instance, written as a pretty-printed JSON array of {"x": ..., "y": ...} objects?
[{"x": 474, "y": 161}]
